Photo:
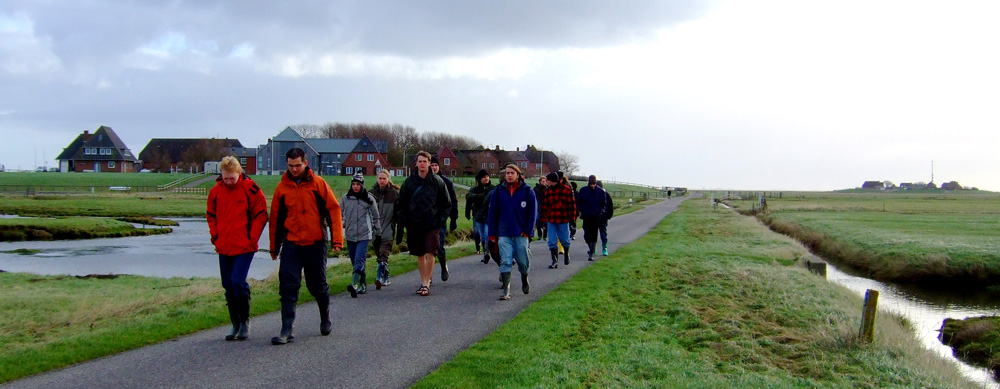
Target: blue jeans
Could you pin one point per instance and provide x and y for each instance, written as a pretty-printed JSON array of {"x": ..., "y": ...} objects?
[
  {"x": 558, "y": 231},
  {"x": 513, "y": 249},
  {"x": 603, "y": 229},
  {"x": 233, "y": 270},
  {"x": 358, "y": 252},
  {"x": 484, "y": 236}
]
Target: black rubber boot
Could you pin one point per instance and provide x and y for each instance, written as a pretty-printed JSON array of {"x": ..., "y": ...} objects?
[
  {"x": 352, "y": 288},
  {"x": 590, "y": 252},
  {"x": 444, "y": 268},
  {"x": 566, "y": 257},
  {"x": 287, "y": 321},
  {"x": 244, "y": 312},
  {"x": 555, "y": 258},
  {"x": 505, "y": 279},
  {"x": 325, "y": 325},
  {"x": 486, "y": 257},
  {"x": 234, "y": 317},
  {"x": 524, "y": 283}
]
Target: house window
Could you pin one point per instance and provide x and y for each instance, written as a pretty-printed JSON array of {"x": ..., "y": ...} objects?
[
  {"x": 105, "y": 151},
  {"x": 111, "y": 164},
  {"x": 493, "y": 165},
  {"x": 524, "y": 165},
  {"x": 538, "y": 166},
  {"x": 243, "y": 161},
  {"x": 447, "y": 161},
  {"x": 371, "y": 157},
  {"x": 484, "y": 165},
  {"x": 357, "y": 157},
  {"x": 349, "y": 170},
  {"x": 90, "y": 151}
]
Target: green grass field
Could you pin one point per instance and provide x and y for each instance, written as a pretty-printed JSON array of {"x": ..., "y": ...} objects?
[
  {"x": 708, "y": 299},
  {"x": 53, "y": 179},
  {"x": 70, "y": 228},
  {"x": 928, "y": 237}
]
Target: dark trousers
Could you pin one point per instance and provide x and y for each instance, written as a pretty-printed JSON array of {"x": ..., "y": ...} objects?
[
  {"x": 441, "y": 252},
  {"x": 590, "y": 226},
  {"x": 297, "y": 259},
  {"x": 233, "y": 270}
]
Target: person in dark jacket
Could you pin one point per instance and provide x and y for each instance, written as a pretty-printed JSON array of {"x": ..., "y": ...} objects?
[
  {"x": 452, "y": 213},
  {"x": 236, "y": 213},
  {"x": 385, "y": 193},
  {"x": 477, "y": 209},
  {"x": 558, "y": 210},
  {"x": 512, "y": 217},
  {"x": 576, "y": 195},
  {"x": 591, "y": 203},
  {"x": 305, "y": 217},
  {"x": 541, "y": 227},
  {"x": 361, "y": 224},
  {"x": 423, "y": 208},
  {"x": 608, "y": 214}
]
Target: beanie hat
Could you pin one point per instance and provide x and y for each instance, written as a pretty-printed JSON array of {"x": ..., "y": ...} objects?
[
  {"x": 482, "y": 173},
  {"x": 359, "y": 178},
  {"x": 560, "y": 174},
  {"x": 434, "y": 159},
  {"x": 592, "y": 179},
  {"x": 552, "y": 176}
]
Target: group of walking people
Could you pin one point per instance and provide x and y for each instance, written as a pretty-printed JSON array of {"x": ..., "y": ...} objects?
[{"x": 306, "y": 220}]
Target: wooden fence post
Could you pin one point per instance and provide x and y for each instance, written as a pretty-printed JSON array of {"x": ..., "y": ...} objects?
[{"x": 867, "y": 332}]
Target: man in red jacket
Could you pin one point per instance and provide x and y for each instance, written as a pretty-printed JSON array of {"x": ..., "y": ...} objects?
[
  {"x": 237, "y": 212},
  {"x": 305, "y": 216}
]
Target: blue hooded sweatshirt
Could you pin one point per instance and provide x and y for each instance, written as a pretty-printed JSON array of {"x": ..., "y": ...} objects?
[{"x": 512, "y": 214}]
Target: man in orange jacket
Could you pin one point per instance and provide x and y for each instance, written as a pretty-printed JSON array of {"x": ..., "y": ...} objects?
[
  {"x": 305, "y": 215},
  {"x": 236, "y": 213}
]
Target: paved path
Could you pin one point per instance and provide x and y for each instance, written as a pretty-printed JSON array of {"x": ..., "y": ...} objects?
[{"x": 389, "y": 338}]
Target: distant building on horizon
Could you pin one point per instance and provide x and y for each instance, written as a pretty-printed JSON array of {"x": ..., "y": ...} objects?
[{"x": 102, "y": 151}]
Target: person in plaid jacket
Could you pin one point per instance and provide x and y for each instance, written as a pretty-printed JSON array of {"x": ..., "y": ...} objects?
[{"x": 558, "y": 210}]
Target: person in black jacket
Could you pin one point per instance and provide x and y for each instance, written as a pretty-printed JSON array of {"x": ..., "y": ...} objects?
[
  {"x": 453, "y": 214},
  {"x": 609, "y": 212},
  {"x": 541, "y": 227},
  {"x": 477, "y": 208},
  {"x": 422, "y": 209}
]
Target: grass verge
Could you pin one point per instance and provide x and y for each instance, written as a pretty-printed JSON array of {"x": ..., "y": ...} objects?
[
  {"x": 707, "y": 299},
  {"x": 975, "y": 340},
  {"x": 51, "y": 322}
]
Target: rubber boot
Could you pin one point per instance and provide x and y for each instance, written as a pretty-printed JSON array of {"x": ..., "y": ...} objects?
[
  {"x": 524, "y": 283},
  {"x": 244, "y": 312},
  {"x": 590, "y": 253},
  {"x": 444, "y": 268},
  {"x": 382, "y": 275},
  {"x": 234, "y": 317},
  {"x": 560, "y": 246},
  {"x": 555, "y": 258},
  {"x": 486, "y": 256},
  {"x": 604, "y": 249},
  {"x": 505, "y": 279},
  {"x": 477, "y": 245},
  {"x": 287, "y": 321},
  {"x": 566, "y": 258},
  {"x": 352, "y": 288},
  {"x": 363, "y": 285},
  {"x": 325, "y": 325}
]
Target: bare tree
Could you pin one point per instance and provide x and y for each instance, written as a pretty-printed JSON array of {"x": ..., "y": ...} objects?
[
  {"x": 308, "y": 130},
  {"x": 568, "y": 162}
]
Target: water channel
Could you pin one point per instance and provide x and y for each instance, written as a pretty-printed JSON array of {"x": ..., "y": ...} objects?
[{"x": 187, "y": 252}]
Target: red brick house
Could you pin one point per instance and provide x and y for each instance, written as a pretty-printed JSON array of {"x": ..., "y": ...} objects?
[
  {"x": 448, "y": 162},
  {"x": 368, "y": 157},
  {"x": 102, "y": 151},
  {"x": 475, "y": 159}
]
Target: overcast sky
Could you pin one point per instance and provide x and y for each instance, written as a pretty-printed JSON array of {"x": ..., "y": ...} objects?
[{"x": 794, "y": 95}]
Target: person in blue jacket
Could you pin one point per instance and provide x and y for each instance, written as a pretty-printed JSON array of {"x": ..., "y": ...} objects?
[{"x": 512, "y": 214}]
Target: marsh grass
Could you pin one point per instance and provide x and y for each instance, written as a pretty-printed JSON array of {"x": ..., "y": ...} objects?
[
  {"x": 51, "y": 322},
  {"x": 70, "y": 228},
  {"x": 707, "y": 299},
  {"x": 975, "y": 340}
]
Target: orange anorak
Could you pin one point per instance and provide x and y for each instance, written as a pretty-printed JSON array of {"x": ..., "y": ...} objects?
[{"x": 298, "y": 212}]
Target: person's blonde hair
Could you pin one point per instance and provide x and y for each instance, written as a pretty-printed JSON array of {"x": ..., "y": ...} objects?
[
  {"x": 388, "y": 177},
  {"x": 230, "y": 164}
]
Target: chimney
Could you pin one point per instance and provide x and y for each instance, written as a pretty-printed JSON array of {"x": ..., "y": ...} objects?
[
  {"x": 86, "y": 135},
  {"x": 518, "y": 148}
]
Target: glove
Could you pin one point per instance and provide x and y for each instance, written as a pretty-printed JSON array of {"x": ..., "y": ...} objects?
[
  {"x": 454, "y": 225},
  {"x": 493, "y": 239}
]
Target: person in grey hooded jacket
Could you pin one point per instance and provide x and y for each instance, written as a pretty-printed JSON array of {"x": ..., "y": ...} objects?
[
  {"x": 361, "y": 223},
  {"x": 385, "y": 193}
]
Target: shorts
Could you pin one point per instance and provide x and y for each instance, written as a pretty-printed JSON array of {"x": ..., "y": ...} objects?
[{"x": 423, "y": 242}]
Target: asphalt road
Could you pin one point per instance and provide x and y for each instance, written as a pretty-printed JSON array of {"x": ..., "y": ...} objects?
[{"x": 389, "y": 338}]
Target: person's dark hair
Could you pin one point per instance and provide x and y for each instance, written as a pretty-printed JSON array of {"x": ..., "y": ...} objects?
[{"x": 296, "y": 152}]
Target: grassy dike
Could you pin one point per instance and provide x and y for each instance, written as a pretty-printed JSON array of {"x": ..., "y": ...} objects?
[
  {"x": 70, "y": 228},
  {"x": 50, "y": 322},
  {"x": 707, "y": 299}
]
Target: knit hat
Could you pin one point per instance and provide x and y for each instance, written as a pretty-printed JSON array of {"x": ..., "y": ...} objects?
[
  {"x": 434, "y": 159},
  {"x": 552, "y": 176},
  {"x": 482, "y": 173},
  {"x": 592, "y": 180},
  {"x": 359, "y": 178}
]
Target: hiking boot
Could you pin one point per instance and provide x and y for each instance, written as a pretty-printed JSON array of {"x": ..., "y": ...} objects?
[
  {"x": 287, "y": 321},
  {"x": 505, "y": 279},
  {"x": 524, "y": 283}
]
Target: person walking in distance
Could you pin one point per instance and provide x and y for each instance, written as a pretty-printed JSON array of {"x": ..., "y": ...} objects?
[
  {"x": 576, "y": 194},
  {"x": 608, "y": 214},
  {"x": 477, "y": 208},
  {"x": 305, "y": 215},
  {"x": 236, "y": 213},
  {"x": 592, "y": 204},
  {"x": 558, "y": 210},
  {"x": 385, "y": 194},
  {"x": 422, "y": 209},
  {"x": 541, "y": 227},
  {"x": 361, "y": 224},
  {"x": 512, "y": 215},
  {"x": 452, "y": 213}
]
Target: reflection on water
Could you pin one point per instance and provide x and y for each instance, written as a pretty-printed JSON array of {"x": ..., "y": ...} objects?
[
  {"x": 185, "y": 252},
  {"x": 926, "y": 310}
]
